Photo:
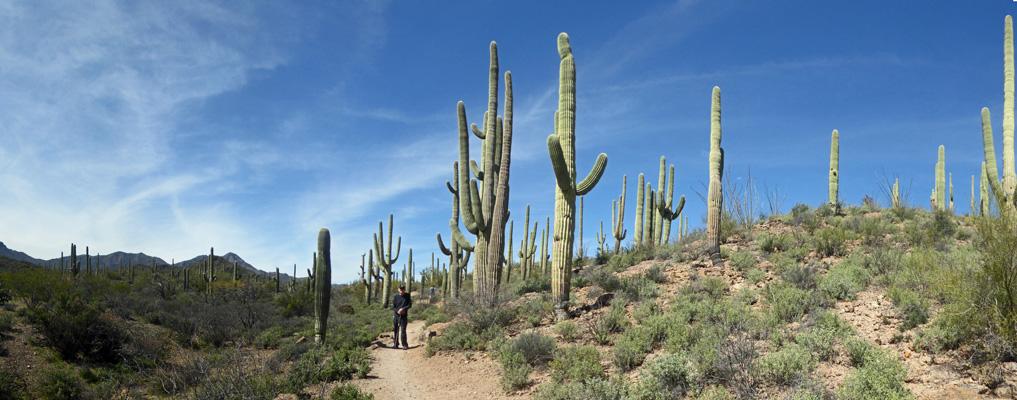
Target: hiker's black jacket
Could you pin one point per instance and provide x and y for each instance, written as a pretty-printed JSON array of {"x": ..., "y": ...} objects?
[{"x": 401, "y": 301}]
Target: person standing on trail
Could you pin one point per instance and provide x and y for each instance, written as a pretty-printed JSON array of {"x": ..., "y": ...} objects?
[{"x": 401, "y": 304}]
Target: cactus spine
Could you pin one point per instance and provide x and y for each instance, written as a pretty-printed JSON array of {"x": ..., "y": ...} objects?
[
  {"x": 386, "y": 260},
  {"x": 485, "y": 210},
  {"x": 664, "y": 211},
  {"x": 714, "y": 199},
  {"x": 617, "y": 224},
  {"x": 640, "y": 197},
  {"x": 562, "y": 150},
  {"x": 459, "y": 256},
  {"x": 941, "y": 180},
  {"x": 322, "y": 286},
  {"x": 834, "y": 166}
]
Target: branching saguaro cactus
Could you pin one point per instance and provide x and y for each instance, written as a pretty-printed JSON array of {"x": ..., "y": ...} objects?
[
  {"x": 1003, "y": 189},
  {"x": 459, "y": 256},
  {"x": 834, "y": 166},
  {"x": 485, "y": 210},
  {"x": 714, "y": 195},
  {"x": 601, "y": 239},
  {"x": 640, "y": 197},
  {"x": 528, "y": 247},
  {"x": 365, "y": 275},
  {"x": 386, "y": 260},
  {"x": 322, "y": 285},
  {"x": 664, "y": 211},
  {"x": 210, "y": 272},
  {"x": 561, "y": 147},
  {"x": 617, "y": 223}
]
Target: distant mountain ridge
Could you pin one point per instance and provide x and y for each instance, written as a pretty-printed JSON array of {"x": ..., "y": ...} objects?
[{"x": 118, "y": 258}]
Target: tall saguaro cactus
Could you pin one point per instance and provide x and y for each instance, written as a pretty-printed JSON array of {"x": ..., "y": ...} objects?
[
  {"x": 75, "y": 268},
  {"x": 1003, "y": 189},
  {"x": 485, "y": 209},
  {"x": 459, "y": 256},
  {"x": 941, "y": 179},
  {"x": 386, "y": 260},
  {"x": 714, "y": 195},
  {"x": 561, "y": 147},
  {"x": 640, "y": 197},
  {"x": 834, "y": 166},
  {"x": 322, "y": 285},
  {"x": 617, "y": 224}
]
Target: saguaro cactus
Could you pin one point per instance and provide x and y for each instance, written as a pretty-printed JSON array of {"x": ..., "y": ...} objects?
[
  {"x": 834, "y": 166},
  {"x": 485, "y": 212},
  {"x": 941, "y": 179},
  {"x": 459, "y": 256},
  {"x": 601, "y": 239},
  {"x": 664, "y": 211},
  {"x": 561, "y": 147},
  {"x": 950, "y": 181},
  {"x": 508, "y": 254},
  {"x": 895, "y": 197},
  {"x": 579, "y": 228},
  {"x": 650, "y": 210},
  {"x": 983, "y": 193},
  {"x": 617, "y": 224},
  {"x": 74, "y": 260},
  {"x": 714, "y": 196},
  {"x": 386, "y": 260},
  {"x": 1002, "y": 189},
  {"x": 528, "y": 247},
  {"x": 322, "y": 285},
  {"x": 640, "y": 197},
  {"x": 211, "y": 268}
]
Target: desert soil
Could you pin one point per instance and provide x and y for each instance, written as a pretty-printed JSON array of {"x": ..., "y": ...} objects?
[{"x": 398, "y": 374}]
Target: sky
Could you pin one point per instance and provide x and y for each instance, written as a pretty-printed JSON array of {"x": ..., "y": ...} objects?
[{"x": 168, "y": 127}]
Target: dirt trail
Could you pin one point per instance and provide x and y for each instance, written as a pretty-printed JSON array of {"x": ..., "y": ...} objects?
[{"x": 398, "y": 374}]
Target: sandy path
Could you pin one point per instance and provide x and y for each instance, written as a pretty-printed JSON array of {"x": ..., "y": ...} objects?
[{"x": 398, "y": 374}]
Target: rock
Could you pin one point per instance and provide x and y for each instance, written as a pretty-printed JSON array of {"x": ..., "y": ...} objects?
[{"x": 1005, "y": 391}]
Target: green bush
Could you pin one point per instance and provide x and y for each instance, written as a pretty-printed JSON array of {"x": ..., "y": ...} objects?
[
  {"x": 591, "y": 389},
  {"x": 670, "y": 376},
  {"x": 568, "y": 330},
  {"x": 347, "y": 391},
  {"x": 754, "y": 275},
  {"x": 61, "y": 383},
  {"x": 639, "y": 287},
  {"x": 881, "y": 376},
  {"x": 458, "y": 336},
  {"x": 773, "y": 243},
  {"x": 742, "y": 260},
  {"x": 912, "y": 307},
  {"x": 605, "y": 280},
  {"x": 536, "y": 348},
  {"x": 859, "y": 351},
  {"x": 576, "y": 364},
  {"x": 298, "y": 303},
  {"x": 79, "y": 330},
  {"x": 829, "y": 242},
  {"x": 12, "y": 384},
  {"x": 515, "y": 371},
  {"x": 803, "y": 277},
  {"x": 998, "y": 299},
  {"x": 535, "y": 283},
  {"x": 646, "y": 309},
  {"x": 844, "y": 280},
  {"x": 789, "y": 303},
  {"x": 631, "y": 348},
  {"x": 787, "y": 365},
  {"x": 271, "y": 338}
]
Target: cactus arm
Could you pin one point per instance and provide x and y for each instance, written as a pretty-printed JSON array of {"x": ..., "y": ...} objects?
[
  {"x": 593, "y": 177},
  {"x": 480, "y": 225},
  {"x": 458, "y": 236},
  {"x": 477, "y": 132},
  {"x": 465, "y": 197},
  {"x": 441, "y": 245},
  {"x": 561, "y": 173},
  {"x": 476, "y": 170},
  {"x": 990, "y": 156}
]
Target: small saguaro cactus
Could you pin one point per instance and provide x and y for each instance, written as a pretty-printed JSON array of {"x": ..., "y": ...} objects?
[
  {"x": 322, "y": 286},
  {"x": 664, "y": 211},
  {"x": 714, "y": 196},
  {"x": 895, "y": 196},
  {"x": 386, "y": 260},
  {"x": 543, "y": 247},
  {"x": 211, "y": 268},
  {"x": 277, "y": 279},
  {"x": 88, "y": 262},
  {"x": 640, "y": 197},
  {"x": 617, "y": 224},
  {"x": 834, "y": 166},
  {"x": 561, "y": 147},
  {"x": 528, "y": 247},
  {"x": 950, "y": 182},
  {"x": 601, "y": 238},
  {"x": 74, "y": 260}
]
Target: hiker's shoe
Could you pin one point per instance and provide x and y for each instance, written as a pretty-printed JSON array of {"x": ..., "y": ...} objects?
[
  {"x": 395, "y": 345},
  {"x": 405, "y": 347}
]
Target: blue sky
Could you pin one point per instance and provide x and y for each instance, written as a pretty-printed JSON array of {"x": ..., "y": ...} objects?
[{"x": 171, "y": 127}]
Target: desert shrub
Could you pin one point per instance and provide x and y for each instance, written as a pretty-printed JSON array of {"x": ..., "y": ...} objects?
[
  {"x": 742, "y": 260},
  {"x": 535, "y": 283},
  {"x": 591, "y": 389},
  {"x": 535, "y": 348},
  {"x": 829, "y": 242},
  {"x": 459, "y": 336},
  {"x": 844, "y": 280},
  {"x": 5, "y": 295},
  {"x": 12, "y": 384},
  {"x": 805, "y": 277},
  {"x": 679, "y": 252},
  {"x": 773, "y": 243},
  {"x": 656, "y": 274},
  {"x": 754, "y": 275},
  {"x": 297, "y": 303},
  {"x": 881, "y": 376},
  {"x": 645, "y": 310},
  {"x": 321, "y": 364},
  {"x": 859, "y": 351},
  {"x": 271, "y": 338},
  {"x": 60, "y": 382},
  {"x": 711, "y": 285},
  {"x": 568, "y": 331},
  {"x": 536, "y": 310},
  {"x": 789, "y": 303},
  {"x": 481, "y": 314},
  {"x": 605, "y": 280},
  {"x": 819, "y": 342},
  {"x": 615, "y": 319},
  {"x": 639, "y": 287},
  {"x": 787, "y": 365},
  {"x": 998, "y": 299},
  {"x": 631, "y": 348},
  {"x": 349, "y": 392},
  {"x": 515, "y": 371},
  {"x": 626, "y": 259},
  {"x": 670, "y": 376},
  {"x": 913, "y": 308},
  {"x": 79, "y": 330},
  {"x": 576, "y": 364}
]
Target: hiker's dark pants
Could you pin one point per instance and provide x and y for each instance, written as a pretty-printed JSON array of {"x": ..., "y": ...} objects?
[{"x": 400, "y": 322}]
